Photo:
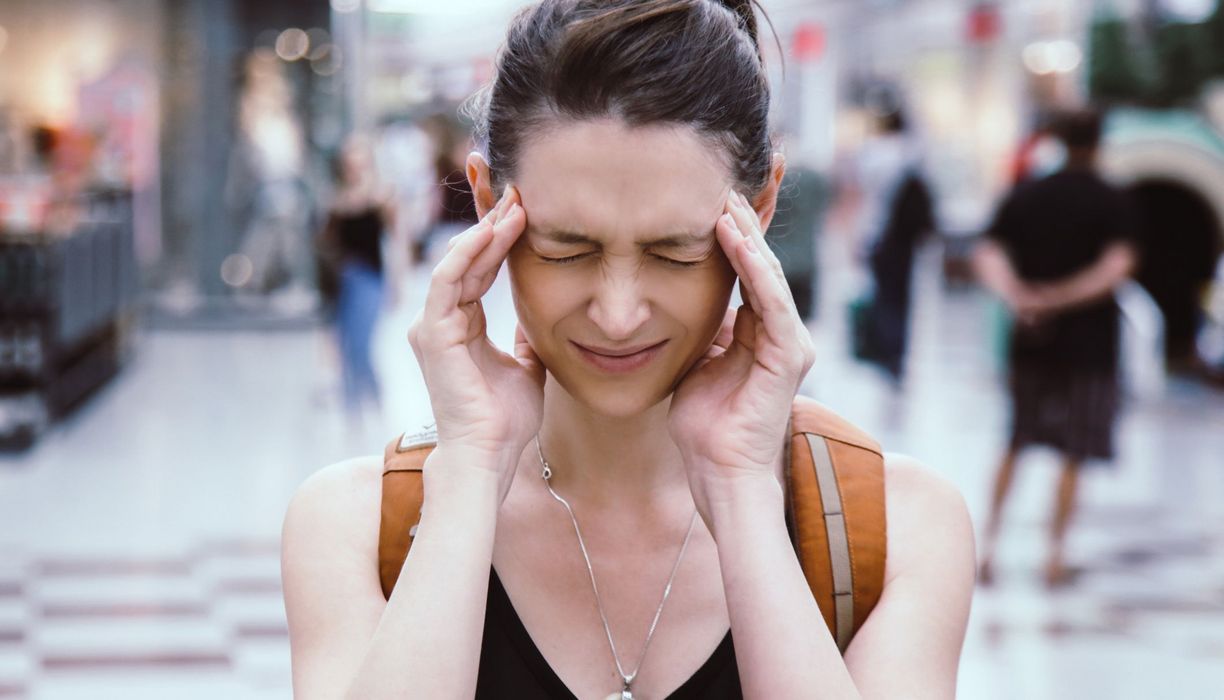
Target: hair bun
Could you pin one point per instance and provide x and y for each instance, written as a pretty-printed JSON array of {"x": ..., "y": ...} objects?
[{"x": 745, "y": 10}]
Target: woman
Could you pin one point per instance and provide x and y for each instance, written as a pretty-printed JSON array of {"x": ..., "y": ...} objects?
[
  {"x": 628, "y": 143},
  {"x": 352, "y": 248}
]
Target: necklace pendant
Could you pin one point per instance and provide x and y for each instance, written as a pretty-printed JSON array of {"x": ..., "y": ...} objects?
[{"x": 625, "y": 694}]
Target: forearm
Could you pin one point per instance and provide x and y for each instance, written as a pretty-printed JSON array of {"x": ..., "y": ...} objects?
[
  {"x": 1093, "y": 284},
  {"x": 782, "y": 645},
  {"x": 995, "y": 271},
  {"x": 427, "y": 644}
]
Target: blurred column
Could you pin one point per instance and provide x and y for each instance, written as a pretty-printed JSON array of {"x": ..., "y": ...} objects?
[
  {"x": 349, "y": 30},
  {"x": 199, "y": 108}
]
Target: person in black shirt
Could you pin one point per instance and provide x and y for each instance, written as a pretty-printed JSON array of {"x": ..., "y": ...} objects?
[
  {"x": 1058, "y": 248},
  {"x": 351, "y": 248}
]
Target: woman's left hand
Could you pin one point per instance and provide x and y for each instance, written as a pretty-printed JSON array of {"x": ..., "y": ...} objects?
[{"x": 729, "y": 414}]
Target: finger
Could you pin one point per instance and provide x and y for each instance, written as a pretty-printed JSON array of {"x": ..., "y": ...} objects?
[
  {"x": 526, "y": 355},
  {"x": 744, "y": 332},
  {"x": 445, "y": 287},
  {"x": 507, "y": 229},
  {"x": 741, "y": 353},
  {"x": 733, "y": 243},
  {"x": 776, "y": 288},
  {"x": 726, "y": 334},
  {"x": 522, "y": 346},
  {"x": 488, "y": 264},
  {"x": 771, "y": 298},
  {"x": 750, "y": 224},
  {"x": 491, "y": 217}
]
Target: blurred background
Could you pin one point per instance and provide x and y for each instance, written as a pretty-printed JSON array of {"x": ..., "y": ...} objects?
[{"x": 217, "y": 219}]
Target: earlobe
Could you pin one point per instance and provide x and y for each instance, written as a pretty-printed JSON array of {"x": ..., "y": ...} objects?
[{"x": 481, "y": 183}]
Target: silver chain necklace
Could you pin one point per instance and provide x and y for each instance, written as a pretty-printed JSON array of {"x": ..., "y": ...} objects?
[{"x": 626, "y": 691}]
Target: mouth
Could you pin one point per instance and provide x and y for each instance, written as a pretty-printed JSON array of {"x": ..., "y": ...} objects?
[{"x": 622, "y": 360}]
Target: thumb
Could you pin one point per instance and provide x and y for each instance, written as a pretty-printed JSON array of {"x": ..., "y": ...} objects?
[
  {"x": 526, "y": 355},
  {"x": 741, "y": 353},
  {"x": 744, "y": 332}
]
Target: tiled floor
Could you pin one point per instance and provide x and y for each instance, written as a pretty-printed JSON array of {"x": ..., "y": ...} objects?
[{"x": 138, "y": 541}]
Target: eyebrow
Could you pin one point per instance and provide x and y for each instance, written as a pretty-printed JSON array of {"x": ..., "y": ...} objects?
[{"x": 685, "y": 239}]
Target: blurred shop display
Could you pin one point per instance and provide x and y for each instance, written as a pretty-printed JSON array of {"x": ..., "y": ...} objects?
[
  {"x": 79, "y": 206},
  {"x": 1162, "y": 57},
  {"x": 66, "y": 298},
  {"x": 1162, "y": 72}
]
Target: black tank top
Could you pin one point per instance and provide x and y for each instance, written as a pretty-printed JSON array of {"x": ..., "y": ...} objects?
[
  {"x": 359, "y": 234},
  {"x": 512, "y": 666}
]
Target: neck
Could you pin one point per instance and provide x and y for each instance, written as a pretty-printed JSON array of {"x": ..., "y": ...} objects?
[{"x": 625, "y": 462}]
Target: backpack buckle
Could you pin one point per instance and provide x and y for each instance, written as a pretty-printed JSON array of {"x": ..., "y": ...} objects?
[{"x": 427, "y": 436}]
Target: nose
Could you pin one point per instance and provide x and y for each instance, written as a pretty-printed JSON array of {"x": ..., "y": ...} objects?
[{"x": 620, "y": 306}]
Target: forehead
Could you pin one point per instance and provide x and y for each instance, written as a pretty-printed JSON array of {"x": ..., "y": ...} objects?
[{"x": 604, "y": 179}]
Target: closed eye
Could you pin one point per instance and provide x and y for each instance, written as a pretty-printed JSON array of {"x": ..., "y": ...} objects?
[
  {"x": 676, "y": 263},
  {"x": 565, "y": 260},
  {"x": 665, "y": 260}
]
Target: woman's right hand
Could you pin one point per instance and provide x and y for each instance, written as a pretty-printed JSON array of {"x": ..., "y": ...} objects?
[{"x": 487, "y": 405}]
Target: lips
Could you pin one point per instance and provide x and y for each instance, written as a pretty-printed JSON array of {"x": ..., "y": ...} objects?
[
  {"x": 620, "y": 360},
  {"x": 622, "y": 352}
]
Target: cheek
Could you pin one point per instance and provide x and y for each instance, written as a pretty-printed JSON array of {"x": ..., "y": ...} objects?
[
  {"x": 699, "y": 299},
  {"x": 542, "y": 295}
]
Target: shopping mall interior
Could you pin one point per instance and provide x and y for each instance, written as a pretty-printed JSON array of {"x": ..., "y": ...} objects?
[{"x": 174, "y": 359}]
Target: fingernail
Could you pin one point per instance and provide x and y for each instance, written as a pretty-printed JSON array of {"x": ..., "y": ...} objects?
[{"x": 731, "y": 222}]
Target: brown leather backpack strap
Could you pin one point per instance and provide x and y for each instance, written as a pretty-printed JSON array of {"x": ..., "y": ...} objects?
[
  {"x": 403, "y": 492},
  {"x": 835, "y": 475}
]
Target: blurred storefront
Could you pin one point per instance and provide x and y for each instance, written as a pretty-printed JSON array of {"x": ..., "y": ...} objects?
[
  {"x": 154, "y": 156},
  {"x": 226, "y": 113},
  {"x": 214, "y": 122}
]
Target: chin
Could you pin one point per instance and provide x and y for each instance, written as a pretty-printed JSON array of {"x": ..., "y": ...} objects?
[{"x": 623, "y": 399}]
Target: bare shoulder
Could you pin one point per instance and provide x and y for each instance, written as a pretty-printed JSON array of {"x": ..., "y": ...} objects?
[
  {"x": 329, "y": 572},
  {"x": 910, "y": 644},
  {"x": 338, "y": 502},
  {"x": 927, "y": 517}
]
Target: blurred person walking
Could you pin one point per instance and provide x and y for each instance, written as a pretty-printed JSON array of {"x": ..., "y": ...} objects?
[
  {"x": 1058, "y": 248},
  {"x": 351, "y": 248},
  {"x": 895, "y": 211}
]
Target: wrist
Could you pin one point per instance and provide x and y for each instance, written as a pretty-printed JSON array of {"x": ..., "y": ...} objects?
[
  {"x": 742, "y": 503},
  {"x": 472, "y": 477}
]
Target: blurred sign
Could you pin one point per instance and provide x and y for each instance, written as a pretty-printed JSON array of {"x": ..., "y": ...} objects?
[
  {"x": 984, "y": 24},
  {"x": 808, "y": 43}
]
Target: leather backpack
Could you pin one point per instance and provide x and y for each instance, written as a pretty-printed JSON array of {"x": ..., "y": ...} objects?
[{"x": 834, "y": 511}]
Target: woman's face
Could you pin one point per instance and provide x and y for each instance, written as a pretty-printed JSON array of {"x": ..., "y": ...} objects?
[{"x": 619, "y": 254}]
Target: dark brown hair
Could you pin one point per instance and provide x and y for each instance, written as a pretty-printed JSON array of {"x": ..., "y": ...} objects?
[{"x": 686, "y": 62}]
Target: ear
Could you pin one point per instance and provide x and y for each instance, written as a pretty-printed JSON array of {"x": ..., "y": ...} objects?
[
  {"x": 766, "y": 203},
  {"x": 482, "y": 185}
]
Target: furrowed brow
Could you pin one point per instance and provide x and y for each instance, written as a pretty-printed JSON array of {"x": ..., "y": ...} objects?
[
  {"x": 679, "y": 240},
  {"x": 565, "y": 237}
]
